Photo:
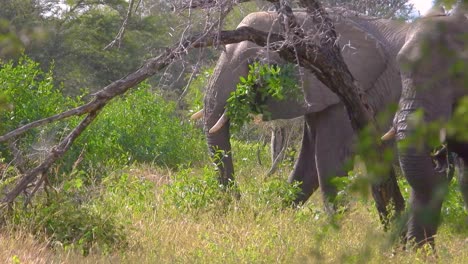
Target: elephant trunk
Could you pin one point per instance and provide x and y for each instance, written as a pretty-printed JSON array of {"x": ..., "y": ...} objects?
[
  {"x": 428, "y": 189},
  {"x": 220, "y": 149},
  {"x": 428, "y": 184}
]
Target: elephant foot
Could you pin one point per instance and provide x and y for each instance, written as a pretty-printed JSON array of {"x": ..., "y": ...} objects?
[
  {"x": 388, "y": 200},
  {"x": 335, "y": 204},
  {"x": 422, "y": 226},
  {"x": 230, "y": 186},
  {"x": 306, "y": 190},
  {"x": 301, "y": 198}
]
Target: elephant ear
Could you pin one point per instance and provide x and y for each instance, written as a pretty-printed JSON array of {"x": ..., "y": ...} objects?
[{"x": 366, "y": 56}]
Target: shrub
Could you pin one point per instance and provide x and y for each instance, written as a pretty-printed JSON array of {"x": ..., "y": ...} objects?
[
  {"x": 141, "y": 127},
  {"x": 92, "y": 217},
  {"x": 66, "y": 220},
  {"x": 193, "y": 192},
  {"x": 29, "y": 94},
  {"x": 277, "y": 193}
]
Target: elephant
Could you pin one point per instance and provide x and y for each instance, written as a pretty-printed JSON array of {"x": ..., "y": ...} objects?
[
  {"x": 431, "y": 90},
  {"x": 369, "y": 47}
]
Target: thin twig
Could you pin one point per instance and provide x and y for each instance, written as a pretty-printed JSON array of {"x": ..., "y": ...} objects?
[{"x": 119, "y": 37}]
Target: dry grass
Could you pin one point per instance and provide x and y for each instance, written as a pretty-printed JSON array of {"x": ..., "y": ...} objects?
[
  {"x": 23, "y": 247},
  {"x": 250, "y": 230}
]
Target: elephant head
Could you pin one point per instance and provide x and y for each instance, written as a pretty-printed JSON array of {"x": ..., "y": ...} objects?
[
  {"x": 328, "y": 134},
  {"x": 434, "y": 44}
]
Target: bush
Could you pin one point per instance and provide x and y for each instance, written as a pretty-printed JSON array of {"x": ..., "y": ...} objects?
[
  {"x": 29, "y": 94},
  {"x": 193, "y": 192},
  {"x": 141, "y": 127},
  {"x": 87, "y": 218},
  {"x": 277, "y": 193},
  {"x": 68, "y": 222},
  {"x": 30, "y": 91}
]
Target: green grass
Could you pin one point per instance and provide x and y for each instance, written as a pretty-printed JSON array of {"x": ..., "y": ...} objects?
[{"x": 155, "y": 210}]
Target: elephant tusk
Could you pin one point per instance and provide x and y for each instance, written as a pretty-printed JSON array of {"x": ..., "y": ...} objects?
[
  {"x": 221, "y": 122},
  {"x": 389, "y": 135},
  {"x": 443, "y": 135},
  {"x": 197, "y": 115}
]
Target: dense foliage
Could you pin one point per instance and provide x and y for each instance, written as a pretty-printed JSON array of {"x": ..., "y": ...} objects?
[
  {"x": 263, "y": 82},
  {"x": 30, "y": 94},
  {"x": 162, "y": 139},
  {"x": 142, "y": 127}
]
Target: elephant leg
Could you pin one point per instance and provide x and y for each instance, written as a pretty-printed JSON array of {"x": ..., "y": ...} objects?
[
  {"x": 305, "y": 170},
  {"x": 388, "y": 192},
  {"x": 461, "y": 149},
  {"x": 428, "y": 190},
  {"x": 333, "y": 148}
]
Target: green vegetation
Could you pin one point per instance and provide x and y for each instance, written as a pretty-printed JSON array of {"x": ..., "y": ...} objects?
[
  {"x": 263, "y": 81},
  {"x": 29, "y": 94},
  {"x": 149, "y": 197},
  {"x": 142, "y": 127},
  {"x": 146, "y": 214},
  {"x": 136, "y": 187},
  {"x": 162, "y": 138}
]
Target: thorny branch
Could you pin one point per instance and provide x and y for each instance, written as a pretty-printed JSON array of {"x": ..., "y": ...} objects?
[{"x": 326, "y": 57}]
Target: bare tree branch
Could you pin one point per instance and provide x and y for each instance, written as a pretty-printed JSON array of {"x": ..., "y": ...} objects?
[
  {"x": 149, "y": 68},
  {"x": 119, "y": 87},
  {"x": 56, "y": 153},
  {"x": 118, "y": 38}
]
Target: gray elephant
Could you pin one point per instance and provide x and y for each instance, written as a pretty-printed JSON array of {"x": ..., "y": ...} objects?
[
  {"x": 369, "y": 47},
  {"x": 434, "y": 44}
]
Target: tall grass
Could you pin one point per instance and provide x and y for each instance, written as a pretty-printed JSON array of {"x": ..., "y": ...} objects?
[{"x": 181, "y": 216}]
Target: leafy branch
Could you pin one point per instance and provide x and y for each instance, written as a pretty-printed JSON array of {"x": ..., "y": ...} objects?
[{"x": 263, "y": 81}]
